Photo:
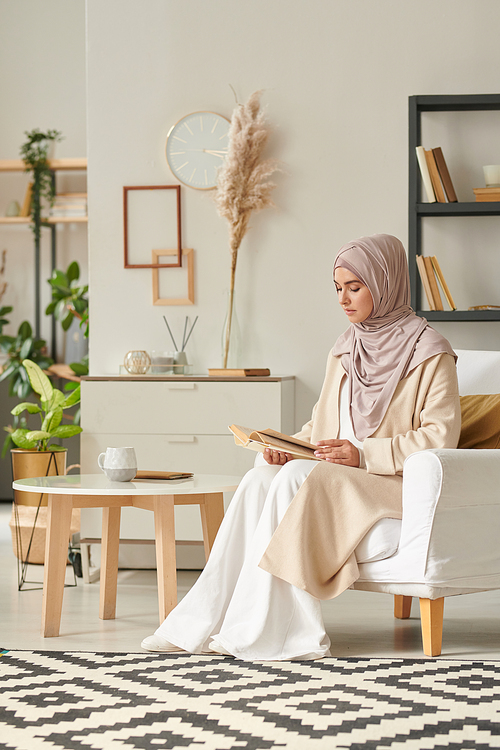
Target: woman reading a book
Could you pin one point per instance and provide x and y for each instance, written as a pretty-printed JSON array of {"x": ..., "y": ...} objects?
[{"x": 290, "y": 535}]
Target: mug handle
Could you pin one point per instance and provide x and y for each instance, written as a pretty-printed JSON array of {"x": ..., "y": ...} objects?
[{"x": 100, "y": 461}]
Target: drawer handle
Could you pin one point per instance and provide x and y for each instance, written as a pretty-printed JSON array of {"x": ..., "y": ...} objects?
[
  {"x": 181, "y": 439},
  {"x": 182, "y": 387}
]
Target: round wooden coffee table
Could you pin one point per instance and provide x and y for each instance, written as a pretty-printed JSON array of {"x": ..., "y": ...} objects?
[{"x": 96, "y": 491}]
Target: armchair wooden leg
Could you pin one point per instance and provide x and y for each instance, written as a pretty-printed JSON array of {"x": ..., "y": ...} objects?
[
  {"x": 402, "y": 607},
  {"x": 431, "y": 614}
]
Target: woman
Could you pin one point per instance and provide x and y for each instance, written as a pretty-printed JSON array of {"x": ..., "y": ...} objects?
[{"x": 290, "y": 534}]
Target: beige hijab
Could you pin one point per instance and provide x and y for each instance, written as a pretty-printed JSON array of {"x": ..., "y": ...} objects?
[{"x": 392, "y": 341}]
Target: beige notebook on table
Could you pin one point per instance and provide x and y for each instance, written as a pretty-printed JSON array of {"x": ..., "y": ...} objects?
[{"x": 163, "y": 475}]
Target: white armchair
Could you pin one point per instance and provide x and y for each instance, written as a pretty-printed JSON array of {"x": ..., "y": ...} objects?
[{"x": 451, "y": 521}]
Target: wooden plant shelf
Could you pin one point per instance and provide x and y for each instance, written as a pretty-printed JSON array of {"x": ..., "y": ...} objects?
[
  {"x": 18, "y": 165},
  {"x": 51, "y": 220}
]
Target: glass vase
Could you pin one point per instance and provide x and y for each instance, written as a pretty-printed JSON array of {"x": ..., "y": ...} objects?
[{"x": 234, "y": 352}]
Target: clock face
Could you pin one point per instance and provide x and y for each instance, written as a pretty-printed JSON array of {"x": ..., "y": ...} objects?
[{"x": 196, "y": 147}]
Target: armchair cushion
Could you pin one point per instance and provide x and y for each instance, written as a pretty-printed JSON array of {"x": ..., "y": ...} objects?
[
  {"x": 480, "y": 421},
  {"x": 380, "y": 542}
]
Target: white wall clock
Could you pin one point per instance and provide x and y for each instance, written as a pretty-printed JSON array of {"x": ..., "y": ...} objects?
[{"x": 196, "y": 147}]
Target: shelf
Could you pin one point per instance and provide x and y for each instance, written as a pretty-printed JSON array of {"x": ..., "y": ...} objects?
[
  {"x": 472, "y": 316},
  {"x": 475, "y": 208},
  {"x": 78, "y": 164},
  {"x": 66, "y": 220},
  {"x": 64, "y": 165},
  {"x": 418, "y": 211},
  {"x": 457, "y": 102},
  {"x": 51, "y": 220}
]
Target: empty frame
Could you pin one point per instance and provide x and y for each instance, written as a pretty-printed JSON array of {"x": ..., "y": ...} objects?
[{"x": 152, "y": 218}]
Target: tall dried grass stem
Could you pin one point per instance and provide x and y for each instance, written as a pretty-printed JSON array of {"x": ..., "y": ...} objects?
[{"x": 243, "y": 183}]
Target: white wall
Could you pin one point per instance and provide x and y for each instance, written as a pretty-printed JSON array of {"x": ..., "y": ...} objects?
[
  {"x": 337, "y": 76},
  {"x": 42, "y": 85}
]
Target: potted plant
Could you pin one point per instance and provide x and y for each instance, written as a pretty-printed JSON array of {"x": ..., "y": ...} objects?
[
  {"x": 35, "y": 155},
  {"x": 37, "y": 455}
]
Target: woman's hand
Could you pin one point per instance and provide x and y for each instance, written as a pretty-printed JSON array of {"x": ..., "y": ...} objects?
[
  {"x": 276, "y": 458},
  {"x": 338, "y": 452}
]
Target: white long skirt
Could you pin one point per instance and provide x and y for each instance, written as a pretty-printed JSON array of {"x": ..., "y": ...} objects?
[{"x": 250, "y": 613}]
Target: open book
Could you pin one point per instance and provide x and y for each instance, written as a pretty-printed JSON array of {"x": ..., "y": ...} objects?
[{"x": 259, "y": 440}]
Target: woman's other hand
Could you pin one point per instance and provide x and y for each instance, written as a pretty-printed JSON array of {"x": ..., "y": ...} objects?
[
  {"x": 276, "y": 458},
  {"x": 338, "y": 452}
]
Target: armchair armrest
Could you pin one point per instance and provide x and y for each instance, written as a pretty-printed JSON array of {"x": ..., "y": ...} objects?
[{"x": 451, "y": 516}]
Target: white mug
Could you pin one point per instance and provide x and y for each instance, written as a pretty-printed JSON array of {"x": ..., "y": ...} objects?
[
  {"x": 492, "y": 175},
  {"x": 119, "y": 464}
]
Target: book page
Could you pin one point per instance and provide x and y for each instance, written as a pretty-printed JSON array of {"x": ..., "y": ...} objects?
[{"x": 258, "y": 440}]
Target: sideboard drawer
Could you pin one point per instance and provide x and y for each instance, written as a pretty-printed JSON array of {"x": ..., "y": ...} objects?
[
  {"x": 200, "y": 454},
  {"x": 179, "y": 407}
]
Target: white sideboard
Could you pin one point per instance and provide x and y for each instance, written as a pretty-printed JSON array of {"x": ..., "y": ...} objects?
[{"x": 175, "y": 424}]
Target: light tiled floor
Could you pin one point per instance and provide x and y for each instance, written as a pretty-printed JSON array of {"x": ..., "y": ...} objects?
[{"x": 360, "y": 624}]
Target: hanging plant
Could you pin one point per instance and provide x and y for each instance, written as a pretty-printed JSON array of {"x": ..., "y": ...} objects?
[
  {"x": 243, "y": 185},
  {"x": 34, "y": 154}
]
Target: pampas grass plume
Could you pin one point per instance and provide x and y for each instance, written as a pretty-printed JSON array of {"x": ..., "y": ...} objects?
[{"x": 243, "y": 184}]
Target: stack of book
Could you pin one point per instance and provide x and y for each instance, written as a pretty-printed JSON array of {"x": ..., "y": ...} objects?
[
  {"x": 487, "y": 195},
  {"x": 69, "y": 204},
  {"x": 430, "y": 273},
  {"x": 435, "y": 176}
]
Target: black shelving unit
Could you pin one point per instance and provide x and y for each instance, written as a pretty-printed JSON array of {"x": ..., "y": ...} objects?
[{"x": 419, "y": 210}]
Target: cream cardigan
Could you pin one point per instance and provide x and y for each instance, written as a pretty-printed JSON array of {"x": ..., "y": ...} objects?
[{"x": 313, "y": 547}]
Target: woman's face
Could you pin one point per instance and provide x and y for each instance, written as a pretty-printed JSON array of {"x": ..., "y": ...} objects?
[{"x": 354, "y": 297}]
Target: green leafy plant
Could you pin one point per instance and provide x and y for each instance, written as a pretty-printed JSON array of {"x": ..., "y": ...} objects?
[
  {"x": 3, "y": 320},
  {"x": 69, "y": 298},
  {"x": 34, "y": 154},
  {"x": 52, "y": 404},
  {"x": 18, "y": 348}
]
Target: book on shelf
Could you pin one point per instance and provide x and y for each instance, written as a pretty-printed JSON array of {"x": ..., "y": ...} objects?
[
  {"x": 26, "y": 207},
  {"x": 444, "y": 285},
  {"x": 259, "y": 440},
  {"x": 438, "y": 304},
  {"x": 485, "y": 307},
  {"x": 430, "y": 273},
  {"x": 425, "y": 281},
  {"x": 487, "y": 195},
  {"x": 424, "y": 171},
  {"x": 435, "y": 178},
  {"x": 445, "y": 175},
  {"x": 69, "y": 204}
]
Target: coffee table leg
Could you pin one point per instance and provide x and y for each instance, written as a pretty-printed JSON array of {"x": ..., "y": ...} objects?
[
  {"x": 212, "y": 513},
  {"x": 165, "y": 554},
  {"x": 56, "y": 557},
  {"x": 109, "y": 562}
]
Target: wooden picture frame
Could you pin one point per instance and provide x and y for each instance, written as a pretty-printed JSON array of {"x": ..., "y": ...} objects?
[
  {"x": 157, "y": 300},
  {"x": 126, "y": 216}
]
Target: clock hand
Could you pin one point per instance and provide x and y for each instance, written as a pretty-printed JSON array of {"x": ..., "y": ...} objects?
[{"x": 221, "y": 154}]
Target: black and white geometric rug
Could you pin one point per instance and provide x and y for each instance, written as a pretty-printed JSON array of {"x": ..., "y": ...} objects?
[{"x": 100, "y": 700}]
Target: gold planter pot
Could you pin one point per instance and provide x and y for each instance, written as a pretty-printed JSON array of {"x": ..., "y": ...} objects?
[
  {"x": 28, "y": 523},
  {"x": 27, "y": 464}
]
